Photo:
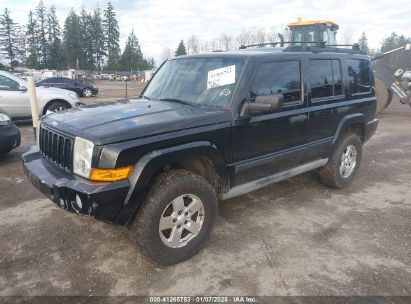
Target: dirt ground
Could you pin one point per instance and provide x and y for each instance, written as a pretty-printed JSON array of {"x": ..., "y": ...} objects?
[
  {"x": 109, "y": 90},
  {"x": 296, "y": 237}
]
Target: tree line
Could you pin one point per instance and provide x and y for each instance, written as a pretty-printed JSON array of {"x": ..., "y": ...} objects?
[
  {"x": 89, "y": 41},
  {"x": 255, "y": 35}
]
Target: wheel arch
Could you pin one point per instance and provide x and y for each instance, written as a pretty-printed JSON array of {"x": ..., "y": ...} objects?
[
  {"x": 44, "y": 109},
  {"x": 351, "y": 123},
  {"x": 201, "y": 157}
]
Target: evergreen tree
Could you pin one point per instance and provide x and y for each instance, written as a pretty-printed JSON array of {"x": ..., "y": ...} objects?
[
  {"x": 181, "y": 49},
  {"x": 8, "y": 38},
  {"x": 132, "y": 57},
  {"x": 87, "y": 62},
  {"x": 98, "y": 38},
  {"x": 32, "y": 43},
  {"x": 41, "y": 33},
  {"x": 56, "y": 58},
  {"x": 72, "y": 39},
  {"x": 363, "y": 43},
  {"x": 112, "y": 35}
]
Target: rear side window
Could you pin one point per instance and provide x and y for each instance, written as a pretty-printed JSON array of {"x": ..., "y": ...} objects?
[
  {"x": 7, "y": 84},
  {"x": 326, "y": 80},
  {"x": 359, "y": 76},
  {"x": 280, "y": 77}
]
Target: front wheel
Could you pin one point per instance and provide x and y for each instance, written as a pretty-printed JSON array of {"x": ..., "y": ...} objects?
[
  {"x": 176, "y": 218},
  {"x": 343, "y": 163},
  {"x": 57, "y": 106}
]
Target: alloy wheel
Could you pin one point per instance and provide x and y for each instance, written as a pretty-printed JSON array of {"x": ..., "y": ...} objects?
[{"x": 181, "y": 221}]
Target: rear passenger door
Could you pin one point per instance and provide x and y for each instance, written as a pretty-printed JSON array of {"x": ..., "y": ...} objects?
[
  {"x": 326, "y": 96},
  {"x": 266, "y": 144},
  {"x": 332, "y": 99}
]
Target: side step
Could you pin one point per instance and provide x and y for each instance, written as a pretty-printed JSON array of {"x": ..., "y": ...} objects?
[{"x": 262, "y": 182}]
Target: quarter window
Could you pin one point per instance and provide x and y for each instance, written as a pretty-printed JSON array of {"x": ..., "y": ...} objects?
[
  {"x": 326, "y": 80},
  {"x": 359, "y": 76},
  {"x": 7, "y": 84},
  {"x": 281, "y": 77}
]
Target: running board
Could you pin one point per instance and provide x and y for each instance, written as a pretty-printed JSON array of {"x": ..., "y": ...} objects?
[{"x": 262, "y": 182}]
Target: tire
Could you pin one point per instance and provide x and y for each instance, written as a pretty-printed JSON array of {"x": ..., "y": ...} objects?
[
  {"x": 57, "y": 106},
  {"x": 334, "y": 173},
  {"x": 87, "y": 92},
  {"x": 175, "y": 186}
]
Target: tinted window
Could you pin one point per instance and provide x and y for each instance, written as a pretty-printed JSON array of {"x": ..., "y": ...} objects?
[
  {"x": 321, "y": 74},
  {"x": 326, "y": 80},
  {"x": 7, "y": 84},
  {"x": 337, "y": 77},
  {"x": 359, "y": 76},
  {"x": 50, "y": 80},
  {"x": 278, "y": 77}
]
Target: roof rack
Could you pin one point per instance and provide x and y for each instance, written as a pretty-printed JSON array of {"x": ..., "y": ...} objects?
[{"x": 310, "y": 47}]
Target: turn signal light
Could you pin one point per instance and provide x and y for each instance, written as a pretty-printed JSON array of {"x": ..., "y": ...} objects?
[{"x": 110, "y": 175}]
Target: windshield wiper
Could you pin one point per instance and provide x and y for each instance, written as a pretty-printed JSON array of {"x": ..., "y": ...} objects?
[
  {"x": 146, "y": 97},
  {"x": 176, "y": 100}
]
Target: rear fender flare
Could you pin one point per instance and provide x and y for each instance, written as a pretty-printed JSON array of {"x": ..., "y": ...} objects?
[{"x": 346, "y": 122}]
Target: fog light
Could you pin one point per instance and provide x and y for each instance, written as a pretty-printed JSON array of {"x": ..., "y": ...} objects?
[{"x": 79, "y": 203}]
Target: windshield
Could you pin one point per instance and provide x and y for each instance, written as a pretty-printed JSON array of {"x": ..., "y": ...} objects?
[{"x": 196, "y": 81}]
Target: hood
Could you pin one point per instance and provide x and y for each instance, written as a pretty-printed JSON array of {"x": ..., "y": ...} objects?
[
  {"x": 51, "y": 90},
  {"x": 122, "y": 120}
]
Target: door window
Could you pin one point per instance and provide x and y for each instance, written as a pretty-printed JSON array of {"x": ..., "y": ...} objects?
[
  {"x": 359, "y": 76},
  {"x": 7, "y": 84},
  {"x": 326, "y": 79},
  {"x": 281, "y": 77}
]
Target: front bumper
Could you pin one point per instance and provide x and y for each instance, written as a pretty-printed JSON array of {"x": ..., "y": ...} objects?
[
  {"x": 98, "y": 200},
  {"x": 9, "y": 137},
  {"x": 370, "y": 129}
]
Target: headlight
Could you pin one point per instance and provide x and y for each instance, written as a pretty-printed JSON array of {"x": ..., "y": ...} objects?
[
  {"x": 82, "y": 156},
  {"x": 4, "y": 119}
]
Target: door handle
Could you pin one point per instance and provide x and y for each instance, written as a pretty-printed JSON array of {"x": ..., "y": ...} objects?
[{"x": 298, "y": 118}]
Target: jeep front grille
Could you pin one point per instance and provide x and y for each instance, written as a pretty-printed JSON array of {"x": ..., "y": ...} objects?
[{"x": 56, "y": 148}]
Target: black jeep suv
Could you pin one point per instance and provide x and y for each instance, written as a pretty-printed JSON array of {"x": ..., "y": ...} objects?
[{"x": 206, "y": 128}]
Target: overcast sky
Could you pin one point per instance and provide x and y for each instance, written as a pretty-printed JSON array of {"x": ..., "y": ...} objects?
[{"x": 162, "y": 23}]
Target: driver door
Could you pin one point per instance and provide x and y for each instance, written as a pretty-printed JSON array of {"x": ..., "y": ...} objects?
[
  {"x": 14, "y": 101},
  {"x": 270, "y": 143}
]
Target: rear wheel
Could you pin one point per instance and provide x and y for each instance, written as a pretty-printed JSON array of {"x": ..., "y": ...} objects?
[
  {"x": 176, "y": 218},
  {"x": 87, "y": 92},
  {"x": 56, "y": 106},
  {"x": 343, "y": 163}
]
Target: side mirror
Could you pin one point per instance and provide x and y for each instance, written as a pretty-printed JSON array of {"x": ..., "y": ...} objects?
[
  {"x": 22, "y": 89},
  {"x": 263, "y": 105}
]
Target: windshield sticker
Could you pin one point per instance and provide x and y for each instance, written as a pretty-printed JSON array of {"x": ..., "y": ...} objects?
[
  {"x": 225, "y": 92},
  {"x": 221, "y": 77}
]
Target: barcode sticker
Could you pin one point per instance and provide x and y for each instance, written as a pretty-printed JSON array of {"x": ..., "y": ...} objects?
[{"x": 221, "y": 77}]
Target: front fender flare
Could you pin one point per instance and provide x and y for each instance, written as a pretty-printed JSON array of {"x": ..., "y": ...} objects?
[{"x": 151, "y": 162}]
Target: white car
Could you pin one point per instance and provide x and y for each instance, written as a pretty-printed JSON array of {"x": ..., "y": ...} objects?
[{"x": 14, "y": 97}]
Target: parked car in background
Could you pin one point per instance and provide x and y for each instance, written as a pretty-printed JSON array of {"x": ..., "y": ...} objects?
[
  {"x": 104, "y": 76},
  {"x": 9, "y": 133},
  {"x": 14, "y": 97},
  {"x": 83, "y": 89}
]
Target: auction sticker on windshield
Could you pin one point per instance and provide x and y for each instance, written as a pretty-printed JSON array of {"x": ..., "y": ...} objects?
[{"x": 221, "y": 77}]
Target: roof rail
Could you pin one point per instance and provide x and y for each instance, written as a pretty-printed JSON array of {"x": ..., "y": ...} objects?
[{"x": 310, "y": 46}]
